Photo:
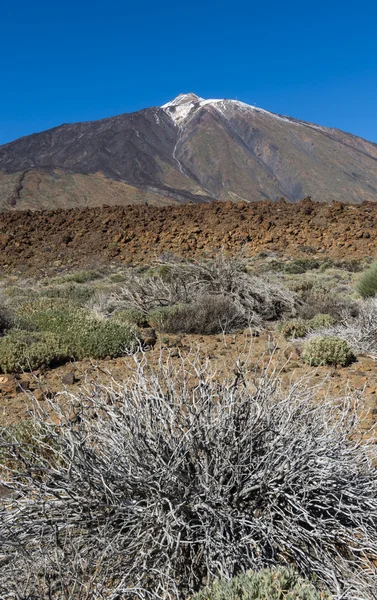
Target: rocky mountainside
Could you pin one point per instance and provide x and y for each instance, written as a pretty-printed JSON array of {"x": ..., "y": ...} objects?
[
  {"x": 190, "y": 149},
  {"x": 40, "y": 241}
]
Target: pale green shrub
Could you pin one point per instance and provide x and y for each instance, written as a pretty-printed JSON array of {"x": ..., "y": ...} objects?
[
  {"x": 298, "y": 328},
  {"x": 83, "y": 276},
  {"x": 72, "y": 292},
  {"x": 295, "y": 328},
  {"x": 6, "y": 319},
  {"x": 267, "y": 584},
  {"x": 320, "y": 321},
  {"x": 367, "y": 284},
  {"x": 328, "y": 351},
  {"x": 25, "y": 350},
  {"x": 131, "y": 317},
  {"x": 80, "y": 334}
]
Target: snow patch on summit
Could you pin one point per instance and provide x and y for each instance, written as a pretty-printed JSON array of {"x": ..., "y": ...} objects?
[{"x": 184, "y": 106}]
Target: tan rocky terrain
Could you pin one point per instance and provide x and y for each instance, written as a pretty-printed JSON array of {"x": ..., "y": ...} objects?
[{"x": 36, "y": 241}]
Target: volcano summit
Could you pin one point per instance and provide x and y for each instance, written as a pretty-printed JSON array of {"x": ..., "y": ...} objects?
[{"x": 189, "y": 149}]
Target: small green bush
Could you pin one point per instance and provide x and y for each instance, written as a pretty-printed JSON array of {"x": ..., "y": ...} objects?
[
  {"x": 80, "y": 334},
  {"x": 83, "y": 276},
  {"x": 131, "y": 316},
  {"x": 367, "y": 285},
  {"x": 38, "y": 305},
  {"x": 25, "y": 350},
  {"x": 301, "y": 265},
  {"x": 72, "y": 292},
  {"x": 296, "y": 328},
  {"x": 6, "y": 319},
  {"x": 320, "y": 321},
  {"x": 267, "y": 584},
  {"x": 328, "y": 351},
  {"x": 118, "y": 277}
]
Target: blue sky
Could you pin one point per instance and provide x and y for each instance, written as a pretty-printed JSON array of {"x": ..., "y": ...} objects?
[{"x": 77, "y": 61}]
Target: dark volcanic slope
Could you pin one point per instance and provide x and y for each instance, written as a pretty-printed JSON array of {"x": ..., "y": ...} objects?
[{"x": 189, "y": 149}]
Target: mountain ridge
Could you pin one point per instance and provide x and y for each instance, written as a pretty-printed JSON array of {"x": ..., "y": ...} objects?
[{"x": 188, "y": 150}]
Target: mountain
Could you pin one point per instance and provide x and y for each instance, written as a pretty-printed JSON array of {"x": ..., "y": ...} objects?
[{"x": 189, "y": 149}]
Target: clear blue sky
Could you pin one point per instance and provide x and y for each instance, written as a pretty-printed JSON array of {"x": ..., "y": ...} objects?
[{"x": 77, "y": 61}]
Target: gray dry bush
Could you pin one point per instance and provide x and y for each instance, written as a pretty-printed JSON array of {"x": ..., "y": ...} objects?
[
  {"x": 359, "y": 331},
  {"x": 207, "y": 315},
  {"x": 155, "y": 487},
  {"x": 179, "y": 282}
]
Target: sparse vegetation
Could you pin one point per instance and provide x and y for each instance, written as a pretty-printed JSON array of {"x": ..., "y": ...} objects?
[
  {"x": 328, "y": 351},
  {"x": 179, "y": 282},
  {"x": 173, "y": 478}
]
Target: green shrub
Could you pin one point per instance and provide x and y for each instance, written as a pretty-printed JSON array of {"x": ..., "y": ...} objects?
[
  {"x": 6, "y": 319},
  {"x": 208, "y": 315},
  {"x": 296, "y": 328},
  {"x": 367, "y": 285},
  {"x": 131, "y": 316},
  {"x": 72, "y": 292},
  {"x": 80, "y": 334},
  {"x": 301, "y": 265},
  {"x": 38, "y": 305},
  {"x": 328, "y": 351},
  {"x": 83, "y": 276},
  {"x": 321, "y": 320},
  {"x": 118, "y": 277},
  {"x": 267, "y": 584},
  {"x": 25, "y": 350}
]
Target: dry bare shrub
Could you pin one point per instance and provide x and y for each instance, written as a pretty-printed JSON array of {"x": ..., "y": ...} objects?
[
  {"x": 207, "y": 315},
  {"x": 319, "y": 300},
  {"x": 156, "y": 486},
  {"x": 182, "y": 282},
  {"x": 359, "y": 331}
]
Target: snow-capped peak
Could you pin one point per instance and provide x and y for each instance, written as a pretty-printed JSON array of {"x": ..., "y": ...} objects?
[
  {"x": 184, "y": 106},
  {"x": 179, "y": 108},
  {"x": 183, "y": 99}
]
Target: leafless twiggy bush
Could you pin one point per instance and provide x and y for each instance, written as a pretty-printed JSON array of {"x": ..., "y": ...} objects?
[
  {"x": 183, "y": 282},
  {"x": 154, "y": 487}
]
